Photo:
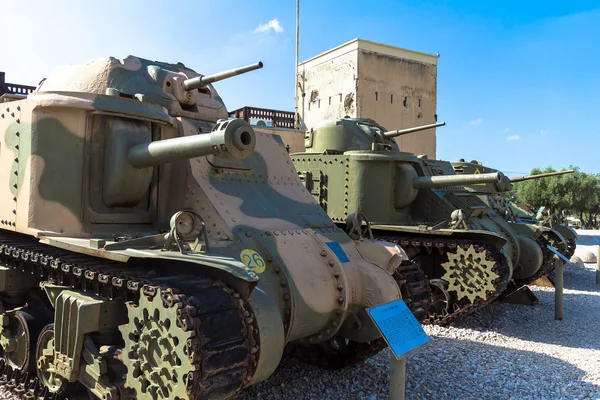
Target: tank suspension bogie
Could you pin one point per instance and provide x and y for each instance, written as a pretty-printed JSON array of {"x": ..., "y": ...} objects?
[{"x": 19, "y": 335}]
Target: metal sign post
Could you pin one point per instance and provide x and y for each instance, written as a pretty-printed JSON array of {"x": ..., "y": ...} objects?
[
  {"x": 597, "y": 262},
  {"x": 558, "y": 282},
  {"x": 558, "y": 289},
  {"x": 403, "y": 334},
  {"x": 397, "y": 377}
]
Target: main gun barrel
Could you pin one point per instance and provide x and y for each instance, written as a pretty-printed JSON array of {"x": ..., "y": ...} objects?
[
  {"x": 202, "y": 81},
  {"x": 232, "y": 140},
  {"x": 432, "y": 182},
  {"x": 400, "y": 132},
  {"x": 528, "y": 177}
]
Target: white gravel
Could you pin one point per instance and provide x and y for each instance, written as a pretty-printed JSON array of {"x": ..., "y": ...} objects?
[{"x": 504, "y": 351}]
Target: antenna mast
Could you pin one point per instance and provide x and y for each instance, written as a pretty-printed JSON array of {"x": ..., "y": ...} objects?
[{"x": 296, "y": 116}]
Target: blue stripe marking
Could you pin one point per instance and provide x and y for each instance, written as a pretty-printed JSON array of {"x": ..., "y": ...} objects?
[{"x": 338, "y": 251}]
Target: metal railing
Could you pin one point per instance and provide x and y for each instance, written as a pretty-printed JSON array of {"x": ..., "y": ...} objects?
[
  {"x": 14, "y": 88},
  {"x": 278, "y": 118}
]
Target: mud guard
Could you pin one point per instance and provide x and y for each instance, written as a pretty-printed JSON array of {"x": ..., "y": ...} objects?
[{"x": 228, "y": 269}]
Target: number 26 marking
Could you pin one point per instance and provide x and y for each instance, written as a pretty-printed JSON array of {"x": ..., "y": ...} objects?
[{"x": 253, "y": 261}]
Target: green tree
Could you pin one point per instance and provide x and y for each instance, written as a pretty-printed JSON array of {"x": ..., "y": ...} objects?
[{"x": 577, "y": 194}]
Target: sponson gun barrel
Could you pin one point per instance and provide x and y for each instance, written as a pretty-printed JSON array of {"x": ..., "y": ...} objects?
[
  {"x": 230, "y": 140},
  {"x": 202, "y": 81},
  {"x": 528, "y": 177},
  {"x": 400, "y": 132},
  {"x": 432, "y": 182}
]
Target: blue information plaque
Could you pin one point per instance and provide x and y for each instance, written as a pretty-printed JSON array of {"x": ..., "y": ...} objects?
[
  {"x": 399, "y": 327},
  {"x": 558, "y": 253},
  {"x": 597, "y": 241}
]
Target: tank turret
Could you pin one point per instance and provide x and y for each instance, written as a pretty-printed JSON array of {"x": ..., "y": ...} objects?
[
  {"x": 350, "y": 134},
  {"x": 181, "y": 90}
]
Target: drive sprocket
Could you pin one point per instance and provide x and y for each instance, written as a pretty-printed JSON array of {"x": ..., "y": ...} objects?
[
  {"x": 155, "y": 350},
  {"x": 470, "y": 273}
]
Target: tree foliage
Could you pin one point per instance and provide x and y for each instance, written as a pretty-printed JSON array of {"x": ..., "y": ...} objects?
[{"x": 577, "y": 194}]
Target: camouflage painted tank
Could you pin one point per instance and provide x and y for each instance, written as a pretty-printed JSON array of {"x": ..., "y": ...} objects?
[
  {"x": 419, "y": 204},
  {"x": 559, "y": 236},
  {"x": 152, "y": 249}
]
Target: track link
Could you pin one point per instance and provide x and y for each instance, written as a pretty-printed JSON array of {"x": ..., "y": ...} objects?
[
  {"x": 415, "y": 289},
  {"x": 221, "y": 330}
]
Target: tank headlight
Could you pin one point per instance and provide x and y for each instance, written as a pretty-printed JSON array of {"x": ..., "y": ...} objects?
[{"x": 185, "y": 224}]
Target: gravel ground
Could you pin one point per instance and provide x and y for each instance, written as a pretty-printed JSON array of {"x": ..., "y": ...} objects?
[
  {"x": 504, "y": 351},
  {"x": 586, "y": 242}
]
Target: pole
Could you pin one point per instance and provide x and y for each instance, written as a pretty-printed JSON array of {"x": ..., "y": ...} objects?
[
  {"x": 558, "y": 289},
  {"x": 397, "y": 377},
  {"x": 598, "y": 266},
  {"x": 296, "y": 117}
]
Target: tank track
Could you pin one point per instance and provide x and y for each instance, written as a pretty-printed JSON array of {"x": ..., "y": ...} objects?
[
  {"x": 461, "y": 307},
  {"x": 415, "y": 289},
  {"x": 220, "y": 367}
]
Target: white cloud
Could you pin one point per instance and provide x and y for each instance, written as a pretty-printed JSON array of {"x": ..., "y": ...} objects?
[
  {"x": 513, "y": 137},
  {"x": 476, "y": 121},
  {"x": 272, "y": 24},
  {"x": 543, "y": 132}
]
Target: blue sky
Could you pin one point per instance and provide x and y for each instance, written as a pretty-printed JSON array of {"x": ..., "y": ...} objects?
[{"x": 518, "y": 81}]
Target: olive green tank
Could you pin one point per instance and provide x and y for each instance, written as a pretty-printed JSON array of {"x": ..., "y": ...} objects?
[
  {"x": 559, "y": 236},
  {"x": 150, "y": 248},
  {"x": 553, "y": 221},
  {"x": 467, "y": 255}
]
